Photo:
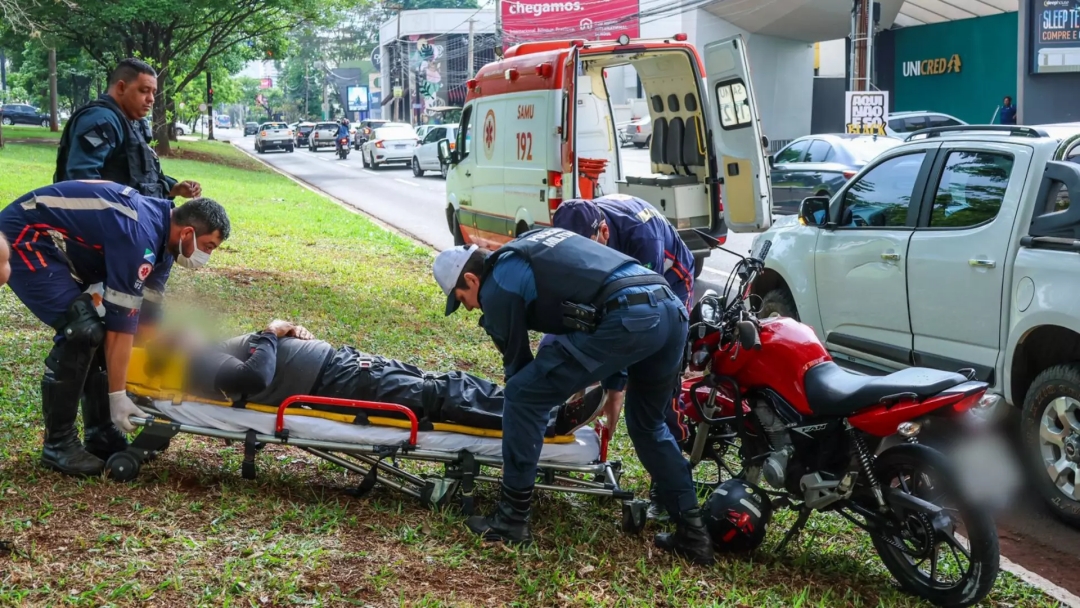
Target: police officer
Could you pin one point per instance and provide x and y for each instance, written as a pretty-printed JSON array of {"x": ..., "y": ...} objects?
[
  {"x": 109, "y": 137},
  {"x": 632, "y": 226},
  {"x": 67, "y": 237},
  {"x": 609, "y": 314}
]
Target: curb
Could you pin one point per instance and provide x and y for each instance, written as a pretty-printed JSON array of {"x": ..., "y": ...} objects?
[{"x": 341, "y": 203}]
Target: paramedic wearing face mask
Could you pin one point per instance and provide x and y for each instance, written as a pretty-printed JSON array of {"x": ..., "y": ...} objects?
[
  {"x": 608, "y": 314},
  {"x": 67, "y": 237},
  {"x": 633, "y": 227}
]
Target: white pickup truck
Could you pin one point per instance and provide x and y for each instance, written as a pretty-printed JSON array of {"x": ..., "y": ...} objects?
[
  {"x": 274, "y": 136},
  {"x": 958, "y": 249}
]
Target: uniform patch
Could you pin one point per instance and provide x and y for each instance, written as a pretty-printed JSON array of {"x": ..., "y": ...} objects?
[
  {"x": 149, "y": 256},
  {"x": 144, "y": 271}
]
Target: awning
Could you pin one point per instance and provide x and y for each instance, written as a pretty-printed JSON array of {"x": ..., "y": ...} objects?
[{"x": 921, "y": 12}]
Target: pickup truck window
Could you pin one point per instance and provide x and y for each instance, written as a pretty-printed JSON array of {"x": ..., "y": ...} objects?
[
  {"x": 971, "y": 189},
  {"x": 881, "y": 197}
]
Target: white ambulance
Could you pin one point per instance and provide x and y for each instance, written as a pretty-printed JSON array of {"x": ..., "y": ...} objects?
[{"x": 522, "y": 149}]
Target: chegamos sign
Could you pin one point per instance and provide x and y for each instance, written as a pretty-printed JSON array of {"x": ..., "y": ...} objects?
[{"x": 932, "y": 67}]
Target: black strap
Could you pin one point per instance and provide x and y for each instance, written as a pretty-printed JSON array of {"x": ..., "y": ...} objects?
[
  {"x": 660, "y": 293},
  {"x": 619, "y": 284}
]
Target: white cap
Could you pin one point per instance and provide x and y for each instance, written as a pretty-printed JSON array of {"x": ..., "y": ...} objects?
[{"x": 447, "y": 270}]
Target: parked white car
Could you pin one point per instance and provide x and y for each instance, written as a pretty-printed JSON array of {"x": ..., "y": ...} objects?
[
  {"x": 393, "y": 143},
  {"x": 955, "y": 250},
  {"x": 274, "y": 136},
  {"x": 426, "y": 155},
  {"x": 901, "y": 124}
]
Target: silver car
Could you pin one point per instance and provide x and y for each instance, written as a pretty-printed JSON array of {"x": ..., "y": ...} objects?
[
  {"x": 390, "y": 144},
  {"x": 324, "y": 135}
]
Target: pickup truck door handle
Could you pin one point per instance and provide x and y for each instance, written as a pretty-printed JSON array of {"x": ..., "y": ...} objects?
[
  {"x": 982, "y": 263},
  {"x": 468, "y": 174},
  {"x": 890, "y": 257}
]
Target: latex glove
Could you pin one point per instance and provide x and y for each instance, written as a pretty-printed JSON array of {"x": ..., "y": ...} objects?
[
  {"x": 120, "y": 407},
  {"x": 187, "y": 189},
  {"x": 613, "y": 404}
]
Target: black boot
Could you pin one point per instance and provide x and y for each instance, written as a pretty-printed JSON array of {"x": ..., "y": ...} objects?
[
  {"x": 62, "y": 450},
  {"x": 656, "y": 510},
  {"x": 577, "y": 414},
  {"x": 101, "y": 437},
  {"x": 509, "y": 522},
  {"x": 690, "y": 540}
]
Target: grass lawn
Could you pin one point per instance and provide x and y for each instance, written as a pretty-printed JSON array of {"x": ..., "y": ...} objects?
[
  {"x": 191, "y": 532},
  {"x": 30, "y": 132}
]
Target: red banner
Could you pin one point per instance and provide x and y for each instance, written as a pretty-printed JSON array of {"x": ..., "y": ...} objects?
[
  {"x": 531, "y": 20},
  {"x": 266, "y": 83}
]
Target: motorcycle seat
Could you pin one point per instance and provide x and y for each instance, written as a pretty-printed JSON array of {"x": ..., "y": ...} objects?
[{"x": 834, "y": 391}]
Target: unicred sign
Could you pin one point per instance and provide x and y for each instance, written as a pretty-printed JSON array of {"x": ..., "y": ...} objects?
[{"x": 531, "y": 20}]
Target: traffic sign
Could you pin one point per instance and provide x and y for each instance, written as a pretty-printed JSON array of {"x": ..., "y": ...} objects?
[{"x": 202, "y": 107}]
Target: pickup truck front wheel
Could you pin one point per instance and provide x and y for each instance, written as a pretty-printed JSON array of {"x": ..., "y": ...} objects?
[
  {"x": 779, "y": 302},
  {"x": 1051, "y": 431}
]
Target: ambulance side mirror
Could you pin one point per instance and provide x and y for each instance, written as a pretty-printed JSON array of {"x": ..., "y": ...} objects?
[{"x": 446, "y": 155}]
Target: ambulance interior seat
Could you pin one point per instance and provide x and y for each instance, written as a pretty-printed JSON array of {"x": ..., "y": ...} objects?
[
  {"x": 667, "y": 147},
  {"x": 692, "y": 155},
  {"x": 659, "y": 132}
]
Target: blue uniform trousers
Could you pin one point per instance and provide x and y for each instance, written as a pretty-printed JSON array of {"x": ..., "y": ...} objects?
[{"x": 645, "y": 339}]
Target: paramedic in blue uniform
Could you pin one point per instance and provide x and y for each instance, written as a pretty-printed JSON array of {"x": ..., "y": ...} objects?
[
  {"x": 64, "y": 239},
  {"x": 632, "y": 226},
  {"x": 109, "y": 137},
  {"x": 609, "y": 314}
]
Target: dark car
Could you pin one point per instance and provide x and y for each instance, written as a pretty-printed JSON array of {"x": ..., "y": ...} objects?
[
  {"x": 362, "y": 130},
  {"x": 817, "y": 165},
  {"x": 22, "y": 114},
  {"x": 251, "y": 128},
  {"x": 303, "y": 134}
]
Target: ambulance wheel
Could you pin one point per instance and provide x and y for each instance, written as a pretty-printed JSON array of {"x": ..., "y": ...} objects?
[
  {"x": 699, "y": 265},
  {"x": 122, "y": 466},
  {"x": 633, "y": 516}
]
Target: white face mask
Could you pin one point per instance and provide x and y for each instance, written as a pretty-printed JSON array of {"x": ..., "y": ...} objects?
[{"x": 198, "y": 258}]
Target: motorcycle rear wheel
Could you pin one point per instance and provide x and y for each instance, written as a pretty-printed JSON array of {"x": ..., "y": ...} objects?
[{"x": 932, "y": 554}]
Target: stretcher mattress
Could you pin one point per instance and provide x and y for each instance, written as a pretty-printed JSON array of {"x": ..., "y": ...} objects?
[{"x": 584, "y": 449}]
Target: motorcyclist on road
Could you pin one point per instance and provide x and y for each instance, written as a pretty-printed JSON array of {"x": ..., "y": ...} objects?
[{"x": 343, "y": 131}]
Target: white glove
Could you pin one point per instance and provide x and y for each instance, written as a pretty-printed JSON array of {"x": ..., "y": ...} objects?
[{"x": 120, "y": 407}]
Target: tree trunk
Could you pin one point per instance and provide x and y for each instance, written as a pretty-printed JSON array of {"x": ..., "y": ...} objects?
[
  {"x": 170, "y": 105},
  {"x": 161, "y": 119}
]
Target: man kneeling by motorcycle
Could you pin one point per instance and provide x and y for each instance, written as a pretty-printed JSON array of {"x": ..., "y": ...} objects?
[{"x": 285, "y": 360}]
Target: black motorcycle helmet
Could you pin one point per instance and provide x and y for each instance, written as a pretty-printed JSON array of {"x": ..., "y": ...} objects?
[{"x": 736, "y": 515}]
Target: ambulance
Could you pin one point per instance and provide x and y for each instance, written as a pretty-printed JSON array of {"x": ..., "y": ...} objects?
[{"x": 538, "y": 128}]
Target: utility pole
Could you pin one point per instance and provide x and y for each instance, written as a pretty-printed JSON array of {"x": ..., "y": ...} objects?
[
  {"x": 401, "y": 63},
  {"x": 209, "y": 107},
  {"x": 54, "y": 122},
  {"x": 863, "y": 24},
  {"x": 471, "y": 22}
]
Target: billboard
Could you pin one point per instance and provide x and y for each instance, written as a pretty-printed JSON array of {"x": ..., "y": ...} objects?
[
  {"x": 1055, "y": 36},
  {"x": 531, "y": 20},
  {"x": 266, "y": 83},
  {"x": 866, "y": 112},
  {"x": 357, "y": 99}
]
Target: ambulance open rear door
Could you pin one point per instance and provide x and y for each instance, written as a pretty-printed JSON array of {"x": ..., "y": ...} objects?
[
  {"x": 568, "y": 129},
  {"x": 736, "y": 134}
]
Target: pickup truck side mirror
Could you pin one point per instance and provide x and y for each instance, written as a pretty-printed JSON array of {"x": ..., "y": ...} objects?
[
  {"x": 814, "y": 211},
  {"x": 772, "y": 161}
]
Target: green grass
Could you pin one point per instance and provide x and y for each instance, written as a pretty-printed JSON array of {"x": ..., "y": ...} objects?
[
  {"x": 30, "y": 132},
  {"x": 191, "y": 532}
]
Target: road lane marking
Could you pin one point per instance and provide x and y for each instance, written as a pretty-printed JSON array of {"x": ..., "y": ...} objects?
[{"x": 405, "y": 181}]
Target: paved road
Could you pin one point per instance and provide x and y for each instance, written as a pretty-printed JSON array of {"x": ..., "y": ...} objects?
[{"x": 416, "y": 206}]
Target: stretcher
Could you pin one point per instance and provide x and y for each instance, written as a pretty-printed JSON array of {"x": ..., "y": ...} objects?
[{"x": 376, "y": 451}]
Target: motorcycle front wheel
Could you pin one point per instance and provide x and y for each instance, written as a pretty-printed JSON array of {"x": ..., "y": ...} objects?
[{"x": 951, "y": 558}]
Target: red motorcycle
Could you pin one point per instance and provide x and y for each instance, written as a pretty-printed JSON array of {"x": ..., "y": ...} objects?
[{"x": 773, "y": 402}]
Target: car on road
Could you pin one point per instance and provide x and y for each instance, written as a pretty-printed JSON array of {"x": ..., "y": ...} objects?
[
  {"x": 393, "y": 143},
  {"x": 302, "y": 131},
  {"x": 222, "y": 121},
  {"x": 817, "y": 165},
  {"x": 362, "y": 130},
  {"x": 426, "y": 154},
  {"x": 274, "y": 136},
  {"x": 22, "y": 114},
  {"x": 640, "y": 132},
  {"x": 323, "y": 135},
  {"x": 954, "y": 250},
  {"x": 251, "y": 128},
  {"x": 900, "y": 124}
]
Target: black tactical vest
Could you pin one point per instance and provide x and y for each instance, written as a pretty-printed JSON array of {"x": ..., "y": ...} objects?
[
  {"x": 567, "y": 268},
  {"x": 133, "y": 163}
]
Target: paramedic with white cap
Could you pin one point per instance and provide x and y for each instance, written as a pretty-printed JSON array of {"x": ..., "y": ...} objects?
[{"x": 609, "y": 314}]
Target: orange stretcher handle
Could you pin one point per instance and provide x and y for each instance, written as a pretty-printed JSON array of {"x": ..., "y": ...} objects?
[{"x": 414, "y": 424}]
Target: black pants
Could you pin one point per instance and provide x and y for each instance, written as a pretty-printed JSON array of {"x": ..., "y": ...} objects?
[{"x": 453, "y": 397}]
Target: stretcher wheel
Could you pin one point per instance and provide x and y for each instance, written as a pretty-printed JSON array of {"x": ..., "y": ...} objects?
[
  {"x": 634, "y": 516},
  {"x": 122, "y": 466}
]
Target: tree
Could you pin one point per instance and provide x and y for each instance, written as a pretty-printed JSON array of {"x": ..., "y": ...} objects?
[{"x": 180, "y": 38}]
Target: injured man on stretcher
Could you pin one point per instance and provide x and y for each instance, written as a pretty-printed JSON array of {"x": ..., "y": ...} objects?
[{"x": 285, "y": 360}]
